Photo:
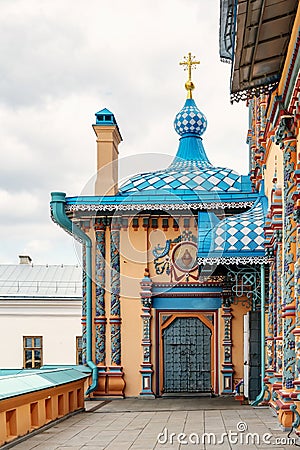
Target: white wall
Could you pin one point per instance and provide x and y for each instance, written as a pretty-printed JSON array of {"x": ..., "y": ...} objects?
[{"x": 57, "y": 321}]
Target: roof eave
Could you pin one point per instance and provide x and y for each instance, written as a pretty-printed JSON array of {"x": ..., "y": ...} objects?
[{"x": 262, "y": 37}]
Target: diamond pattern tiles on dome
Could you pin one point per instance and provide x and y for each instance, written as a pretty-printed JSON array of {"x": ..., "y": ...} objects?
[
  {"x": 190, "y": 169},
  {"x": 185, "y": 175},
  {"x": 190, "y": 120},
  {"x": 243, "y": 232},
  {"x": 236, "y": 236}
]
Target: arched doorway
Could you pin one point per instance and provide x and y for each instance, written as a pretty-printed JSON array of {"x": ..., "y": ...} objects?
[{"x": 187, "y": 355}]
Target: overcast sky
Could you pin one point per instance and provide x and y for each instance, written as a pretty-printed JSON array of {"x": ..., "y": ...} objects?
[{"x": 63, "y": 60}]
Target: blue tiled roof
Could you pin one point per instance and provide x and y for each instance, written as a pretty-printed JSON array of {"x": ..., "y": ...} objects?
[
  {"x": 185, "y": 175},
  {"x": 190, "y": 181},
  {"x": 184, "y": 199},
  {"x": 238, "y": 236},
  {"x": 190, "y": 169}
]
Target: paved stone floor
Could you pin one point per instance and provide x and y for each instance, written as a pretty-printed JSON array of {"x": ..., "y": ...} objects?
[{"x": 166, "y": 424}]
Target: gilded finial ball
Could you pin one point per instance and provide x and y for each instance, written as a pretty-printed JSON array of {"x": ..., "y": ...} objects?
[{"x": 189, "y": 85}]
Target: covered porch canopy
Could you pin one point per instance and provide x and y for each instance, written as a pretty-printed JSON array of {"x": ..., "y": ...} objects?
[
  {"x": 237, "y": 239},
  {"x": 254, "y": 37}
]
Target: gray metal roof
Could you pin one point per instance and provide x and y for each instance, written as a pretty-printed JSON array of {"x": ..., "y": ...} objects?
[
  {"x": 37, "y": 281},
  {"x": 262, "y": 33}
]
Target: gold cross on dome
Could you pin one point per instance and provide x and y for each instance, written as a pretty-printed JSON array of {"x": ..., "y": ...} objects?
[{"x": 189, "y": 63}]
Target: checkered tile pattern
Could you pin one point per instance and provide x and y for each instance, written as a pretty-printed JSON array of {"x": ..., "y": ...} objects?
[
  {"x": 188, "y": 175},
  {"x": 192, "y": 171},
  {"x": 243, "y": 232},
  {"x": 190, "y": 120}
]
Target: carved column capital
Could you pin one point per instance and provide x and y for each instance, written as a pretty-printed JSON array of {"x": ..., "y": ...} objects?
[
  {"x": 227, "y": 298},
  {"x": 227, "y": 301},
  {"x": 100, "y": 223},
  {"x": 285, "y": 129},
  {"x": 85, "y": 225},
  {"x": 115, "y": 223}
]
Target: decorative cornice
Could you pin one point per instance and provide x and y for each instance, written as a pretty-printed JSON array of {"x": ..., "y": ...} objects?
[
  {"x": 234, "y": 260},
  {"x": 210, "y": 281},
  {"x": 189, "y": 294},
  {"x": 158, "y": 206},
  {"x": 254, "y": 91}
]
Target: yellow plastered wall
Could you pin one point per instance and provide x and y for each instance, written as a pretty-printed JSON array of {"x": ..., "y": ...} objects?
[
  {"x": 133, "y": 261},
  {"x": 160, "y": 236},
  {"x": 135, "y": 255},
  {"x": 22, "y": 414}
]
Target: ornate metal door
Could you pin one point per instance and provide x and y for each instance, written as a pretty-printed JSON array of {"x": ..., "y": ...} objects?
[{"x": 187, "y": 356}]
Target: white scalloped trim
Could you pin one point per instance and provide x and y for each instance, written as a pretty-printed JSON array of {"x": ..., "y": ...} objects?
[
  {"x": 158, "y": 206},
  {"x": 234, "y": 260}
]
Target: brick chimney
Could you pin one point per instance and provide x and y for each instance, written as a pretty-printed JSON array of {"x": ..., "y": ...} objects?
[{"x": 108, "y": 139}]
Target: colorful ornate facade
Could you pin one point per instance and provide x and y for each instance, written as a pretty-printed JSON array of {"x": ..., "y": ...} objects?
[
  {"x": 265, "y": 60},
  {"x": 174, "y": 261}
]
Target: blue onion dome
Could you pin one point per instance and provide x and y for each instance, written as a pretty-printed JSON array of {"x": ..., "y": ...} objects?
[
  {"x": 191, "y": 170},
  {"x": 190, "y": 120}
]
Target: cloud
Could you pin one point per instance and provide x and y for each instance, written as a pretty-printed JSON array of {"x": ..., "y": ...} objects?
[
  {"x": 45, "y": 242},
  {"x": 61, "y": 61},
  {"x": 20, "y": 206}
]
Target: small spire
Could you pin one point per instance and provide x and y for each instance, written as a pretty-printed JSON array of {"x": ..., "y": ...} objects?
[{"x": 189, "y": 63}]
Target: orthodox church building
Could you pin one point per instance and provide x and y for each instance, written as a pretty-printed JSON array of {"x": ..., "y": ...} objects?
[{"x": 174, "y": 269}]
